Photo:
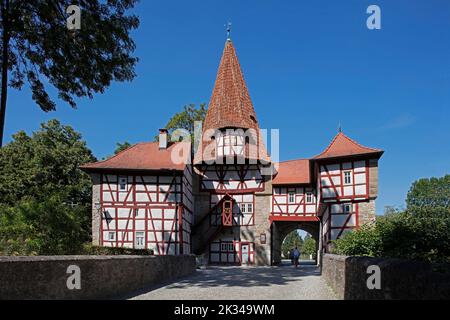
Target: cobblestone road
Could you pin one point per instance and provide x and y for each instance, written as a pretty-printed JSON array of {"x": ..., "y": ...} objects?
[{"x": 233, "y": 283}]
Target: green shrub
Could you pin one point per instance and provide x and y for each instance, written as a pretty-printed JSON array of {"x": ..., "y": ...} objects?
[
  {"x": 89, "y": 249},
  {"x": 365, "y": 241},
  {"x": 409, "y": 235},
  {"x": 43, "y": 228}
]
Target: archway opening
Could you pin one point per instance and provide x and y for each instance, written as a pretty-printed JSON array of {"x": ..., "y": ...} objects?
[
  {"x": 304, "y": 242},
  {"x": 282, "y": 230}
]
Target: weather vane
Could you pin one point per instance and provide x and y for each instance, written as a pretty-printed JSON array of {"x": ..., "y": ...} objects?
[
  {"x": 228, "y": 25},
  {"x": 340, "y": 127}
]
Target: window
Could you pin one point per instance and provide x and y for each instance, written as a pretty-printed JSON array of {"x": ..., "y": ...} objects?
[
  {"x": 243, "y": 208},
  {"x": 347, "y": 208},
  {"x": 291, "y": 197},
  {"x": 347, "y": 177},
  {"x": 140, "y": 240},
  {"x": 111, "y": 236},
  {"x": 250, "y": 207},
  {"x": 227, "y": 206},
  {"x": 227, "y": 246},
  {"x": 309, "y": 197},
  {"x": 123, "y": 183}
]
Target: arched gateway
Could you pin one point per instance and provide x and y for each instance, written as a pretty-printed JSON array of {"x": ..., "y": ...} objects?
[{"x": 229, "y": 202}]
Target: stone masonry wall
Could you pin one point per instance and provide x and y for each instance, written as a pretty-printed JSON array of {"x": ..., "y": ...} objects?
[
  {"x": 263, "y": 207},
  {"x": 399, "y": 279},
  {"x": 101, "y": 276},
  {"x": 373, "y": 178},
  {"x": 96, "y": 214},
  {"x": 366, "y": 212}
]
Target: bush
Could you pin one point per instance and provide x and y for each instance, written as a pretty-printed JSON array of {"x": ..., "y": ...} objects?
[
  {"x": 43, "y": 228},
  {"x": 409, "y": 235},
  {"x": 363, "y": 242},
  {"x": 89, "y": 249}
]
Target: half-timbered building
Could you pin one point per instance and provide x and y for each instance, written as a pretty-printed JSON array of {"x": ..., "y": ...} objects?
[{"x": 226, "y": 200}]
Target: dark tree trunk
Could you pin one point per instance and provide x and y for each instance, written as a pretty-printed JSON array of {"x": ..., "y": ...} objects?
[{"x": 5, "y": 64}]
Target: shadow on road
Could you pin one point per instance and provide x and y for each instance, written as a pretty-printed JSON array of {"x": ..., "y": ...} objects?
[{"x": 235, "y": 276}]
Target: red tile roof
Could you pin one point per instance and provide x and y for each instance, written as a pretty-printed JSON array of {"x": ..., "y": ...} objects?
[
  {"x": 142, "y": 156},
  {"x": 230, "y": 105},
  {"x": 293, "y": 172},
  {"x": 342, "y": 146}
]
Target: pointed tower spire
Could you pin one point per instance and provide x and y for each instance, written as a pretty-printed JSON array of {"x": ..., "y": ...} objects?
[{"x": 230, "y": 104}]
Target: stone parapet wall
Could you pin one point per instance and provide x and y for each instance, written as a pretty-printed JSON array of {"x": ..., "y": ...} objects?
[
  {"x": 399, "y": 279},
  {"x": 46, "y": 277}
]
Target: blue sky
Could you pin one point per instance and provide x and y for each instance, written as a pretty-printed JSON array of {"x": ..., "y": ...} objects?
[{"x": 308, "y": 64}]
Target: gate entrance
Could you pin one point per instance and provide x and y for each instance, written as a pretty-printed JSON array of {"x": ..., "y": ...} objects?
[{"x": 281, "y": 229}]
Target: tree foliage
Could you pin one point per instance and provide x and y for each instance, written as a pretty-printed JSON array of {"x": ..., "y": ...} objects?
[
  {"x": 430, "y": 195},
  {"x": 48, "y": 227},
  {"x": 45, "y": 163},
  {"x": 37, "y": 48},
  {"x": 186, "y": 119},
  {"x": 291, "y": 241},
  {"x": 122, "y": 146},
  {"x": 44, "y": 197},
  {"x": 309, "y": 246}
]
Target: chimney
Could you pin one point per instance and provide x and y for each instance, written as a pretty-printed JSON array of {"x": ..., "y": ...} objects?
[{"x": 162, "y": 138}]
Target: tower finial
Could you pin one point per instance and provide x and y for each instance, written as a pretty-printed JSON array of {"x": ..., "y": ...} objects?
[
  {"x": 339, "y": 127},
  {"x": 228, "y": 25}
]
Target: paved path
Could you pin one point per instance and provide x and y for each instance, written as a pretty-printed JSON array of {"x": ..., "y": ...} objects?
[{"x": 234, "y": 283}]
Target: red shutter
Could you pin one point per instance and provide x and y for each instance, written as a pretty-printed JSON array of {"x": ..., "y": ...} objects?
[{"x": 227, "y": 213}]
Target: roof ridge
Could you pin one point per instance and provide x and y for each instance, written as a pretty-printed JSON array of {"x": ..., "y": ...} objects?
[
  {"x": 329, "y": 145},
  {"x": 349, "y": 140},
  {"x": 292, "y": 160},
  {"x": 119, "y": 153},
  {"x": 358, "y": 144}
]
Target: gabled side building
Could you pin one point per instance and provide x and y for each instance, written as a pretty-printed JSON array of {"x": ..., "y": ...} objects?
[{"x": 227, "y": 200}]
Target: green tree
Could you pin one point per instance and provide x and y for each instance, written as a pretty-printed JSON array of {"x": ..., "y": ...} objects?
[
  {"x": 44, "y": 227},
  {"x": 122, "y": 146},
  {"x": 309, "y": 246},
  {"x": 428, "y": 196},
  {"x": 400, "y": 235},
  {"x": 291, "y": 241},
  {"x": 44, "y": 164},
  {"x": 37, "y": 47},
  {"x": 421, "y": 232},
  {"x": 44, "y": 197},
  {"x": 186, "y": 119},
  {"x": 365, "y": 241}
]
